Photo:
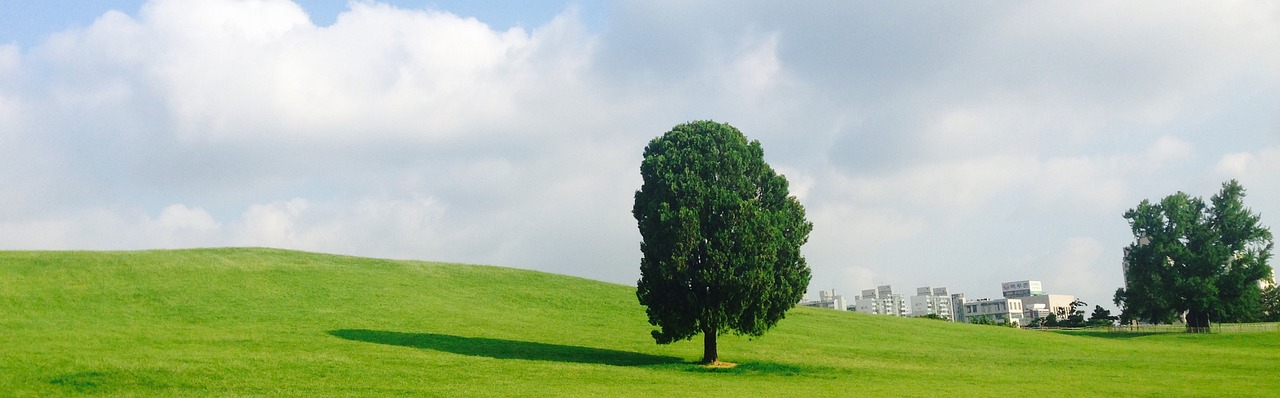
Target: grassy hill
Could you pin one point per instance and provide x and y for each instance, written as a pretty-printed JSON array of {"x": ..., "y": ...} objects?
[{"x": 262, "y": 322}]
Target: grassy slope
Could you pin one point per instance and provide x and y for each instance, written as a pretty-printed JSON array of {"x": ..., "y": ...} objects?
[{"x": 261, "y": 322}]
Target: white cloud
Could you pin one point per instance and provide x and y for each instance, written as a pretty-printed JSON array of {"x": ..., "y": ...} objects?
[
  {"x": 274, "y": 224},
  {"x": 1082, "y": 182},
  {"x": 857, "y": 276},
  {"x": 9, "y": 59},
  {"x": 1263, "y": 162},
  {"x": 798, "y": 182},
  {"x": 1087, "y": 269},
  {"x": 1257, "y": 171},
  {"x": 180, "y": 217},
  {"x": 8, "y": 119},
  {"x": 249, "y": 71},
  {"x": 756, "y": 68},
  {"x": 10, "y": 66},
  {"x": 1167, "y": 149},
  {"x": 114, "y": 229},
  {"x": 855, "y": 229},
  {"x": 1234, "y": 163}
]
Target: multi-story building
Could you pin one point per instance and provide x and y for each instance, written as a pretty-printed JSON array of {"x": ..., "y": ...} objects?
[
  {"x": 957, "y": 307},
  {"x": 1021, "y": 289},
  {"x": 1001, "y": 310},
  {"x": 881, "y": 301},
  {"x": 828, "y": 299},
  {"x": 1040, "y": 306},
  {"x": 867, "y": 302},
  {"x": 1035, "y": 302},
  {"x": 932, "y": 301}
]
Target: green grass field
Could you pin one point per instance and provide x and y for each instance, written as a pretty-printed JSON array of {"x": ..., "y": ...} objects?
[{"x": 262, "y": 322}]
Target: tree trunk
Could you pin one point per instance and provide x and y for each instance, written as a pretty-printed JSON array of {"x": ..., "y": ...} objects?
[
  {"x": 1197, "y": 321},
  {"x": 709, "y": 355}
]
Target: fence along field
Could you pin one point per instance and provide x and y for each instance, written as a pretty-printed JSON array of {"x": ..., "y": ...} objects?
[
  {"x": 1261, "y": 327},
  {"x": 1216, "y": 328}
]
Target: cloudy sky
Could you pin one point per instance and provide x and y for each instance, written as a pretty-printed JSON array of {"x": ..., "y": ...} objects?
[{"x": 933, "y": 144}]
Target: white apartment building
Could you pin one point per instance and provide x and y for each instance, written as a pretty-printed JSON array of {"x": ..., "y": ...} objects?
[
  {"x": 932, "y": 301},
  {"x": 1021, "y": 289},
  {"x": 881, "y": 301},
  {"x": 830, "y": 300},
  {"x": 1000, "y": 310},
  {"x": 1042, "y": 305},
  {"x": 1035, "y": 302}
]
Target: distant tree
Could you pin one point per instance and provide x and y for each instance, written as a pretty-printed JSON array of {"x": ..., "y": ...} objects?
[
  {"x": 1100, "y": 317},
  {"x": 1271, "y": 304},
  {"x": 1201, "y": 260},
  {"x": 1074, "y": 321},
  {"x": 1075, "y": 315},
  {"x": 1051, "y": 320},
  {"x": 982, "y": 320},
  {"x": 1125, "y": 317},
  {"x": 932, "y": 316},
  {"x": 1076, "y": 306},
  {"x": 1036, "y": 323},
  {"x": 721, "y": 237}
]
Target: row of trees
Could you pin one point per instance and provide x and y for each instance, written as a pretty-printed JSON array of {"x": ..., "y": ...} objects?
[{"x": 1074, "y": 317}]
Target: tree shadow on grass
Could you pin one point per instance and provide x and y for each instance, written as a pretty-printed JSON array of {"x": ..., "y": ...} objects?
[{"x": 504, "y": 349}]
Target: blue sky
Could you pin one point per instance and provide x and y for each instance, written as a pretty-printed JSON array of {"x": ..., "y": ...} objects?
[
  {"x": 933, "y": 144},
  {"x": 28, "y": 22}
]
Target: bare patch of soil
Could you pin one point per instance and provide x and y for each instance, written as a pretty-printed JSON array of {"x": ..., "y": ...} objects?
[{"x": 720, "y": 365}]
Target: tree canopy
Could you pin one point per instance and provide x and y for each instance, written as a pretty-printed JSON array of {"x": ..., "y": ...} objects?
[
  {"x": 1195, "y": 259},
  {"x": 1271, "y": 303},
  {"x": 721, "y": 236},
  {"x": 1100, "y": 317}
]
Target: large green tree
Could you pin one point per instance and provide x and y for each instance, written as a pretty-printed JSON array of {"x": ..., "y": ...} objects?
[
  {"x": 1194, "y": 259},
  {"x": 721, "y": 237}
]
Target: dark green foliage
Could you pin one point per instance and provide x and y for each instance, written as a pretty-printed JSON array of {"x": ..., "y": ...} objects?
[
  {"x": 1271, "y": 304},
  {"x": 1074, "y": 316},
  {"x": 983, "y": 320},
  {"x": 1074, "y": 321},
  {"x": 721, "y": 236},
  {"x": 1100, "y": 317},
  {"x": 1201, "y": 259},
  {"x": 1036, "y": 323},
  {"x": 986, "y": 320},
  {"x": 1052, "y": 321},
  {"x": 1125, "y": 317}
]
